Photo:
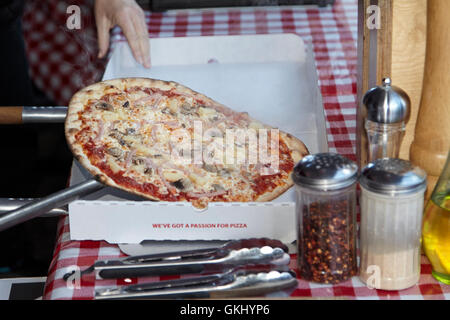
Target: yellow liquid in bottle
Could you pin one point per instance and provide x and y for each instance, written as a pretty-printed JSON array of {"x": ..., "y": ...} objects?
[{"x": 436, "y": 236}]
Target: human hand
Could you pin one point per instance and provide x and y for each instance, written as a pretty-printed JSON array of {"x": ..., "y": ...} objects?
[{"x": 131, "y": 19}]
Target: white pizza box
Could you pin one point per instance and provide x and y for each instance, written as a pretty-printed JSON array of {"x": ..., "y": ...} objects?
[{"x": 272, "y": 77}]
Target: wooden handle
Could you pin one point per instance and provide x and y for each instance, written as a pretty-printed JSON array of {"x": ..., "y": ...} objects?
[
  {"x": 11, "y": 115},
  {"x": 432, "y": 133}
]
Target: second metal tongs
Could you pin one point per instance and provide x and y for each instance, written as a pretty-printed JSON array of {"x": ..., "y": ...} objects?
[
  {"x": 233, "y": 283},
  {"x": 254, "y": 251},
  {"x": 132, "y": 268}
]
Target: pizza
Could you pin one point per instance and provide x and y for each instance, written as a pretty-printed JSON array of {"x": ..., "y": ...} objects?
[{"x": 166, "y": 142}]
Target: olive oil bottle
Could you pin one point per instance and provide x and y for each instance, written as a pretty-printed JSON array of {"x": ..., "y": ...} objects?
[{"x": 436, "y": 227}]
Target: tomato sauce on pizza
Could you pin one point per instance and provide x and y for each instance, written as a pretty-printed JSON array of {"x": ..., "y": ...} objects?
[{"x": 166, "y": 142}]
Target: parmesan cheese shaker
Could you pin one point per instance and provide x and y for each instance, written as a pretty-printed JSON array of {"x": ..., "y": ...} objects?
[
  {"x": 388, "y": 111},
  {"x": 392, "y": 197}
]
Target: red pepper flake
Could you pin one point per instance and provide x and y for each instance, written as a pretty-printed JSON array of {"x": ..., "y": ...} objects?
[{"x": 327, "y": 248}]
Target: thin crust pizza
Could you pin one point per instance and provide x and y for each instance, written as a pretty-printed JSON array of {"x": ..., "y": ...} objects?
[{"x": 166, "y": 142}]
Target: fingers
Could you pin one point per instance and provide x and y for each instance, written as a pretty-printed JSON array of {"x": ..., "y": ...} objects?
[
  {"x": 103, "y": 38},
  {"x": 142, "y": 35},
  {"x": 131, "y": 19},
  {"x": 130, "y": 32},
  {"x": 103, "y": 26}
]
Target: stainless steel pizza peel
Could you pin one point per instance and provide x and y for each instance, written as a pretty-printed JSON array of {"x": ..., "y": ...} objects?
[
  {"x": 13, "y": 212},
  {"x": 18, "y": 211},
  {"x": 32, "y": 114},
  {"x": 10, "y": 204},
  {"x": 41, "y": 206}
]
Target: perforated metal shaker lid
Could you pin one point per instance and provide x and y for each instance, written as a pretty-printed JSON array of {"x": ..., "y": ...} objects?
[
  {"x": 393, "y": 177},
  {"x": 325, "y": 171}
]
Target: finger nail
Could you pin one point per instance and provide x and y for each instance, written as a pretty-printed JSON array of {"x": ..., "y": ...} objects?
[
  {"x": 148, "y": 64},
  {"x": 139, "y": 59}
]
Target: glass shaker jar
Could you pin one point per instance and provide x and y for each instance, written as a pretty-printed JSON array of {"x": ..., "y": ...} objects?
[
  {"x": 326, "y": 217},
  {"x": 388, "y": 110},
  {"x": 392, "y": 197}
]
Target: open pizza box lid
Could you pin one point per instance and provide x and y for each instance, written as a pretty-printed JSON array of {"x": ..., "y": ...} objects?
[{"x": 272, "y": 77}]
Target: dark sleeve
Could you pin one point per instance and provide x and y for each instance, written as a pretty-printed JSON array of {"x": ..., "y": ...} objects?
[
  {"x": 145, "y": 4},
  {"x": 10, "y": 10}
]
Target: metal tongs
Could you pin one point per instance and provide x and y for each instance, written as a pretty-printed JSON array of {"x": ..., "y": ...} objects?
[
  {"x": 232, "y": 254},
  {"x": 233, "y": 283}
]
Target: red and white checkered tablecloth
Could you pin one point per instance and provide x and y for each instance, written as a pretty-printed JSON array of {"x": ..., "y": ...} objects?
[{"x": 333, "y": 33}]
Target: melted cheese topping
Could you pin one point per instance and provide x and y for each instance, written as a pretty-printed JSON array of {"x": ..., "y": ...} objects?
[{"x": 151, "y": 139}]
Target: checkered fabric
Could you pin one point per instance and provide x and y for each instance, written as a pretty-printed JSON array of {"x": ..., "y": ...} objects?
[
  {"x": 78, "y": 255},
  {"x": 62, "y": 58},
  {"x": 333, "y": 33}
]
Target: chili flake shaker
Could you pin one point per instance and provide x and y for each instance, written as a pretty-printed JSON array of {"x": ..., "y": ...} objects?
[
  {"x": 326, "y": 217},
  {"x": 388, "y": 110},
  {"x": 392, "y": 197}
]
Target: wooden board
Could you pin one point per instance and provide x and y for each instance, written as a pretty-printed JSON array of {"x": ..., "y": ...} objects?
[
  {"x": 431, "y": 143},
  {"x": 409, "y": 28},
  {"x": 398, "y": 51}
]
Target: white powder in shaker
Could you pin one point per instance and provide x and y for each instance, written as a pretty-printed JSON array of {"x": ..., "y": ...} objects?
[
  {"x": 390, "y": 240},
  {"x": 391, "y": 271}
]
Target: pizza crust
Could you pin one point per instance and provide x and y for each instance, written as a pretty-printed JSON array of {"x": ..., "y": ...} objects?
[
  {"x": 298, "y": 151},
  {"x": 97, "y": 90}
]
